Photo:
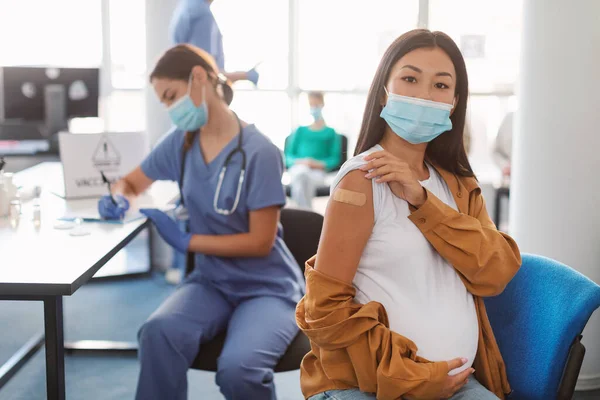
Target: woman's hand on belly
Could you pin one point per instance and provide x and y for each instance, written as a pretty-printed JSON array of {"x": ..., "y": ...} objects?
[
  {"x": 450, "y": 384},
  {"x": 387, "y": 168}
]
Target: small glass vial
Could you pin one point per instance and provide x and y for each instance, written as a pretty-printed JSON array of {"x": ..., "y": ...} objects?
[
  {"x": 37, "y": 215},
  {"x": 14, "y": 213},
  {"x": 37, "y": 209},
  {"x": 4, "y": 200}
]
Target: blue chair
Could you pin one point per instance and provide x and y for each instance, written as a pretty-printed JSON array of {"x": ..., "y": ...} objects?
[{"x": 538, "y": 321}]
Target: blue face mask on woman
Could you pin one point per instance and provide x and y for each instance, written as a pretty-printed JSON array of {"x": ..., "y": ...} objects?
[
  {"x": 184, "y": 113},
  {"x": 317, "y": 113},
  {"x": 416, "y": 120}
]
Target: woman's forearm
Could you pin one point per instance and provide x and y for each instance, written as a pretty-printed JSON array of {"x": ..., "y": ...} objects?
[
  {"x": 486, "y": 258},
  {"x": 237, "y": 245},
  {"x": 124, "y": 188},
  {"x": 133, "y": 184}
]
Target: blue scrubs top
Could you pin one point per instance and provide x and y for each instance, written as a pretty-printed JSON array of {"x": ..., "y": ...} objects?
[
  {"x": 277, "y": 274},
  {"x": 194, "y": 23}
]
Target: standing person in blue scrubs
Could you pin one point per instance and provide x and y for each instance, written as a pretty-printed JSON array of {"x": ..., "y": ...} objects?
[
  {"x": 193, "y": 22},
  {"x": 245, "y": 280}
]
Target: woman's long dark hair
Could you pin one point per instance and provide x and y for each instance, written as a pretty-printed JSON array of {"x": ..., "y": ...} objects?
[{"x": 447, "y": 150}]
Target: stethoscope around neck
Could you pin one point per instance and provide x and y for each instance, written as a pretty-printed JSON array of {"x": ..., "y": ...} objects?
[{"x": 181, "y": 211}]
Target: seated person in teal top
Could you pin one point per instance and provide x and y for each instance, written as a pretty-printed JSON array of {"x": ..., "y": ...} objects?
[{"x": 311, "y": 151}]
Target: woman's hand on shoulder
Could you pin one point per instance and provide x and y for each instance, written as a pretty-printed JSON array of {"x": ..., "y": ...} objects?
[
  {"x": 384, "y": 167},
  {"x": 348, "y": 225}
]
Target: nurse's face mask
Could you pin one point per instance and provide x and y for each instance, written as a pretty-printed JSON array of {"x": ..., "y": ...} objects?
[
  {"x": 416, "y": 120},
  {"x": 184, "y": 113}
]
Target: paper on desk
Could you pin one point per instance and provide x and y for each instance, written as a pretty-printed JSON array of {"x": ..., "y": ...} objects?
[{"x": 92, "y": 215}]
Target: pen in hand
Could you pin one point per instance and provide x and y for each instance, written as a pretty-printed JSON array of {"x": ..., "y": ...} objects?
[{"x": 108, "y": 184}]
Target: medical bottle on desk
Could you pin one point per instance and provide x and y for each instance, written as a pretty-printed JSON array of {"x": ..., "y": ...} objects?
[
  {"x": 4, "y": 200},
  {"x": 9, "y": 185},
  {"x": 14, "y": 212},
  {"x": 14, "y": 208},
  {"x": 12, "y": 198},
  {"x": 37, "y": 210}
]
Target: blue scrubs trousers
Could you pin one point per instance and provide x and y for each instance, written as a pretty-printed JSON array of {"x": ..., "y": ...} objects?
[{"x": 259, "y": 330}]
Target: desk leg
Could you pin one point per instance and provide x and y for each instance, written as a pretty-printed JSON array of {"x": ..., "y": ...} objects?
[{"x": 55, "y": 353}]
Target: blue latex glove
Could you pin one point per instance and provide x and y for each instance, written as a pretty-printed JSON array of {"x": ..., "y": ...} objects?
[
  {"x": 168, "y": 229},
  {"x": 109, "y": 210},
  {"x": 252, "y": 75}
]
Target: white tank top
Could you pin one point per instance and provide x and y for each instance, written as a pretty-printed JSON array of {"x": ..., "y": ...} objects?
[{"x": 423, "y": 295}]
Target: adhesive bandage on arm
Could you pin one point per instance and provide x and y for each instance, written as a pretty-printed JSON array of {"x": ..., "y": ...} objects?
[{"x": 350, "y": 197}]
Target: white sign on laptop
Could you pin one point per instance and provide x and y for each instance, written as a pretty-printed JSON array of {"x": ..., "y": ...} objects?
[{"x": 84, "y": 156}]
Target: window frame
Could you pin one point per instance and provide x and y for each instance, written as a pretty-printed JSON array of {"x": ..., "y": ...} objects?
[{"x": 293, "y": 90}]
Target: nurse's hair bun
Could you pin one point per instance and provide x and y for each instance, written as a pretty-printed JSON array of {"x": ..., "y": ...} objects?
[
  {"x": 224, "y": 88},
  {"x": 178, "y": 62}
]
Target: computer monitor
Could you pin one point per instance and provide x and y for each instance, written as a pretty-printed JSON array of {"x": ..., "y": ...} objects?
[{"x": 48, "y": 96}]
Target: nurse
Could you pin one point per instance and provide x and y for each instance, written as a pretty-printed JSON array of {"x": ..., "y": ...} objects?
[
  {"x": 193, "y": 22},
  {"x": 245, "y": 280}
]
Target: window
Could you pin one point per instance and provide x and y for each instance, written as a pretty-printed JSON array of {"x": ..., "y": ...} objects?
[
  {"x": 255, "y": 32},
  {"x": 125, "y": 111},
  {"x": 489, "y": 42},
  {"x": 484, "y": 116},
  {"x": 68, "y": 33},
  {"x": 127, "y": 44},
  {"x": 269, "y": 111},
  {"x": 340, "y": 42},
  {"x": 300, "y": 45},
  {"x": 332, "y": 45},
  {"x": 335, "y": 46},
  {"x": 124, "y": 104},
  {"x": 62, "y": 33}
]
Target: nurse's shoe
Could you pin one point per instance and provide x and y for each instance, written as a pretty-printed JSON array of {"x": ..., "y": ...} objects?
[{"x": 174, "y": 276}]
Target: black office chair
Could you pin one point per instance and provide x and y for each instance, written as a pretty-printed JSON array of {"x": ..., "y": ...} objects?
[
  {"x": 323, "y": 191},
  {"x": 301, "y": 232}
]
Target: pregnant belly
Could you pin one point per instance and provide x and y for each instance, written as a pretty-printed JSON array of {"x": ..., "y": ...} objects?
[{"x": 443, "y": 328}]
